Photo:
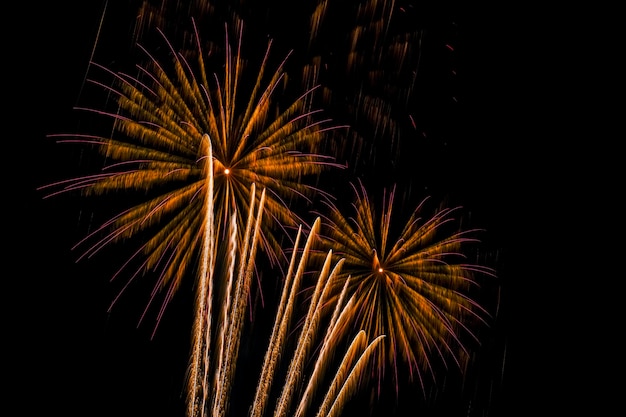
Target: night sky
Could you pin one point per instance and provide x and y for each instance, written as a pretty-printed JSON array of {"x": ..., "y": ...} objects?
[{"x": 82, "y": 360}]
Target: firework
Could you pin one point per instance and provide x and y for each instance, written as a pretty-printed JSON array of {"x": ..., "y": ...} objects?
[
  {"x": 198, "y": 132},
  {"x": 348, "y": 372},
  {"x": 206, "y": 393},
  {"x": 198, "y": 147},
  {"x": 165, "y": 120},
  {"x": 367, "y": 58},
  {"x": 214, "y": 393},
  {"x": 415, "y": 286}
]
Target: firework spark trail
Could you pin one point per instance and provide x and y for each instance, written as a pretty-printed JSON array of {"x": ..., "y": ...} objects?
[
  {"x": 339, "y": 307},
  {"x": 238, "y": 308},
  {"x": 348, "y": 384},
  {"x": 277, "y": 338},
  {"x": 201, "y": 333},
  {"x": 227, "y": 304},
  {"x": 288, "y": 299},
  {"x": 344, "y": 384},
  {"x": 333, "y": 335},
  {"x": 306, "y": 338}
]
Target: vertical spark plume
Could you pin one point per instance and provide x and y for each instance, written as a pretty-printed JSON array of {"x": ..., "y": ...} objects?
[
  {"x": 238, "y": 308},
  {"x": 227, "y": 304},
  {"x": 201, "y": 335}
]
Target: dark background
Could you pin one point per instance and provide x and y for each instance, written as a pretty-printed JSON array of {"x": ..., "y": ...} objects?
[{"x": 70, "y": 357}]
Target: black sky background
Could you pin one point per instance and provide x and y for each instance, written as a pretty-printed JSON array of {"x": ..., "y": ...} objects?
[{"x": 70, "y": 357}]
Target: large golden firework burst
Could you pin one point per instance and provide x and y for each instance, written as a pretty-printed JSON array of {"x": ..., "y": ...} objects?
[
  {"x": 165, "y": 117},
  {"x": 415, "y": 286}
]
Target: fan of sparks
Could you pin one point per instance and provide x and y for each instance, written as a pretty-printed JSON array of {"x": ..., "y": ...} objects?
[
  {"x": 415, "y": 288},
  {"x": 165, "y": 119}
]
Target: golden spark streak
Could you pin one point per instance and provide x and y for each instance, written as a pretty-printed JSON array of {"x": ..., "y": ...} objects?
[
  {"x": 333, "y": 334},
  {"x": 277, "y": 338},
  {"x": 350, "y": 382},
  {"x": 201, "y": 334},
  {"x": 238, "y": 308}
]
